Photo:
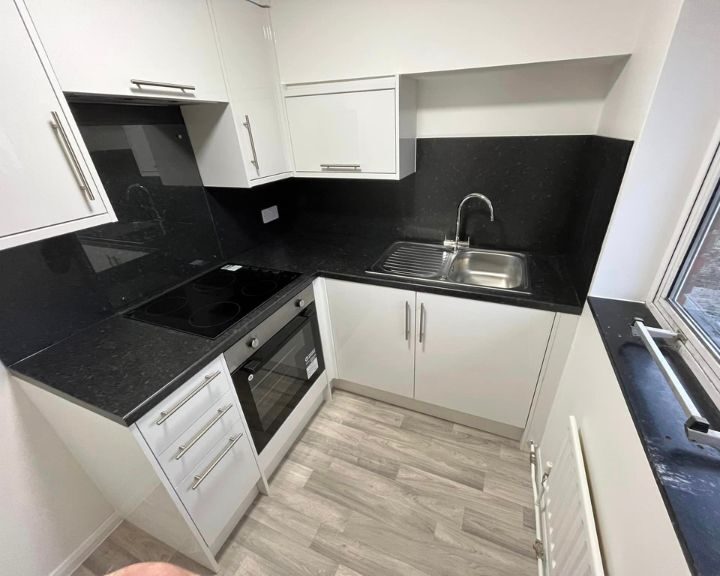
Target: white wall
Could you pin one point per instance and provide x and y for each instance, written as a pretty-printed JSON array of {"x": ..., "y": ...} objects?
[
  {"x": 667, "y": 158},
  {"x": 335, "y": 39},
  {"x": 565, "y": 97},
  {"x": 634, "y": 527},
  {"x": 627, "y": 104},
  {"x": 50, "y": 507}
]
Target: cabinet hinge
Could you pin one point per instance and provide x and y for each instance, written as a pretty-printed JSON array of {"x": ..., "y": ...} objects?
[{"x": 539, "y": 548}]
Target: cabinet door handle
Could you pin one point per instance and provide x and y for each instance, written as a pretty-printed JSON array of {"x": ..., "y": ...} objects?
[
  {"x": 71, "y": 156},
  {"x": 141, "y": 83},
  {"x": 422, "y": 322},
  {"x": 183, "y": 449},
  {"x": 407, "y": 320},
  {"x": 254, "y": 161},
  {"x": 197, "y": 480},
  {"x": 340, "y": 168},
  {"x": 165, "y": 414}
]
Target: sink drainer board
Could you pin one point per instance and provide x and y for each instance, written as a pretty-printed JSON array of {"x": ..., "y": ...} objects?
[
  {"x": 410, "y": 259},
  {"x": 437, "y": 264}
]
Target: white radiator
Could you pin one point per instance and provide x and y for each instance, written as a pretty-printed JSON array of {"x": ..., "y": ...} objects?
[{"x": 567, "y": 542}]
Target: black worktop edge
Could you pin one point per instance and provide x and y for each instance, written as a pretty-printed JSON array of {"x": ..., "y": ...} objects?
[
  {"x": 613, "y": 319},
  {"x": 524, "y": 300}
]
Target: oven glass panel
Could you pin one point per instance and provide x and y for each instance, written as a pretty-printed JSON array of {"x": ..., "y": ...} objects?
[{"x": 274, "y": 380}]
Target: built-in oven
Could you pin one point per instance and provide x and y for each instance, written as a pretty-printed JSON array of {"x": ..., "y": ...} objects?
[{"x": 276, "y": 364}]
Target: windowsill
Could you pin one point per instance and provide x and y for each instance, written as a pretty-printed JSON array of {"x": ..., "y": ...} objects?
[{"x": 688, "y": 475}]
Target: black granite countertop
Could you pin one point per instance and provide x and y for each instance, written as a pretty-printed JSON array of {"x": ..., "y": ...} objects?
[
  {"x": 348, "y": 258},
  {"x": 687, "y": 474},
  {"x": 121, "y": 368}
]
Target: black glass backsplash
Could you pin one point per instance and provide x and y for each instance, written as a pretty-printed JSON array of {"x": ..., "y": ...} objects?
[
  {"x": 552, "y": 194},
  {"x": 164, "y": 234}
]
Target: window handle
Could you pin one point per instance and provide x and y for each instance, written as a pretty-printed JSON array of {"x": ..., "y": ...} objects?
[{"x": 697, "y": 428}]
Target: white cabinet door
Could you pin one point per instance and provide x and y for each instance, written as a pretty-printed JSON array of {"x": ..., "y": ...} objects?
[
  {"x": 248, "y": 54},
  {"x": 343, "y": 132},
  {"x": 46, "y": 185},
  {"x": 100, "y": 46},
  {"x": 478, "y": 357},
  {"x": 374, "y": 335}
]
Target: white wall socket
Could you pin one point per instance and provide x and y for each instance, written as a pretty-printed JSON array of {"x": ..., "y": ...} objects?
[{"x": 270, "y": 214}]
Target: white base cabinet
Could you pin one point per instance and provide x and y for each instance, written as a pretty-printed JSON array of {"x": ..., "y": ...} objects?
[
  {"x": 373, "y": 332},
  {"x": 49, "y": 186},
  {"x": 477, "y": 358},
  {"x": 480, "y": 357}
]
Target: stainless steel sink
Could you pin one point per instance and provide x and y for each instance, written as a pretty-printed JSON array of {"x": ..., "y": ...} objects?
[
  {"x": 438, "y": 264},
  {"x": 489, "y": 269}
]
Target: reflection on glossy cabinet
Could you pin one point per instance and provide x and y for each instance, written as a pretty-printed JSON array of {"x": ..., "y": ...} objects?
[
  {"x": 245, "y": 143},
  {"x": 374, "y": 335},
  {"x": 480, "y": 358},
  {"x": 48, "y": 184},
  {"x": 101, "y": 47}
]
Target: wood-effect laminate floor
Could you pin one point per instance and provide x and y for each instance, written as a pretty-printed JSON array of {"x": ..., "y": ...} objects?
[{"x": 375, "y": 490}]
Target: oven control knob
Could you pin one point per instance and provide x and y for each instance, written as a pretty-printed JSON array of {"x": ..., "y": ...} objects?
[
  {"x": 253, "y": 343},
  {"x": 300, "y": 303}
]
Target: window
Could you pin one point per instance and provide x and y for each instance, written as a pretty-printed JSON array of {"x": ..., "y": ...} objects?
[{"x": 688, "y": 297}]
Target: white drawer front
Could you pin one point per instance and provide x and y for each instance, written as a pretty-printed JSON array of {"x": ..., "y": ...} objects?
[
  {"x": 220, "y": 489},
  {"x": 193, "y": 446},
  {"x": 168, "y": 420}
]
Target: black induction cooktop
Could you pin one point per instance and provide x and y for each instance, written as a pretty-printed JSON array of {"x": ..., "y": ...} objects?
[{"x": 211, "y": 303}]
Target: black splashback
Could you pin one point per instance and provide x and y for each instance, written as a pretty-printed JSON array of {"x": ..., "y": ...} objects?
[
  {"x": 164, "y": 235},
  {"x": 551, "y": 194}
]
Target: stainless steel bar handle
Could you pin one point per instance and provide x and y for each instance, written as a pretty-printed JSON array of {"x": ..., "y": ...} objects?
[
  {"x": 697, "y": 428},
  {"x": 407, "y": 320},
  {"x": 70, "y": 153},
  {"x": 141, "y": 83},
  {"x": 197, "y": 480},
  {"x": 183, "y": 448},
  {"x": 254, "y": 161},
  {"x": 165, "y": 414},
  {"x": 340, "y": 168},
  {"x": 422, "y": 322}
]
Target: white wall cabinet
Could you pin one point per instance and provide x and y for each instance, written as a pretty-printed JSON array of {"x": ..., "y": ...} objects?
[
  {"x": 374, "y": 335},
  {"x": 100, "y": 47},
  {"x": 49, "y": 186},
  {"x": 353, "y": 129},
  {"x": 245, "y": 143},
  {"x": 477, "y": 358}
]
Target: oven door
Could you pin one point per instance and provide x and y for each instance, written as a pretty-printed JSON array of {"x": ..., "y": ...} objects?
[{"x": 274, "y": 379}]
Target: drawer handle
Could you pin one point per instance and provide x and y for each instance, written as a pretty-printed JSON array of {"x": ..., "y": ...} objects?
[
  {"x": 183, "y": 448},
  {"x": 340, "y": 167},
  {"x": 71, "y": 156},
  {"x": 165, "y": 414},
  {"x": 197, "y": 480},
  {"x": 141, "y": 83}
]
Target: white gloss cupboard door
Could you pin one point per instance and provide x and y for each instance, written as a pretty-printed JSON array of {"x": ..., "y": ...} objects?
[
  {"x": 348, "y": 132},
  {"x": 248, "y": 54},
  {"x": 374, "y": 335},
  {"x": 46, "y": 184},
  {"x": 101, "y": 46},
  {"x": 479, "y": 358}
]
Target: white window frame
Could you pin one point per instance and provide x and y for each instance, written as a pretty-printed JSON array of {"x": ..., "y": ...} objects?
[{"x": 694, "y": 347}]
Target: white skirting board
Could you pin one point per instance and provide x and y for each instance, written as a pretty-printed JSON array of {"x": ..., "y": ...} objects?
[
  {"x": 82, "y": 552},
  {"x": 567, "y": 542}
]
